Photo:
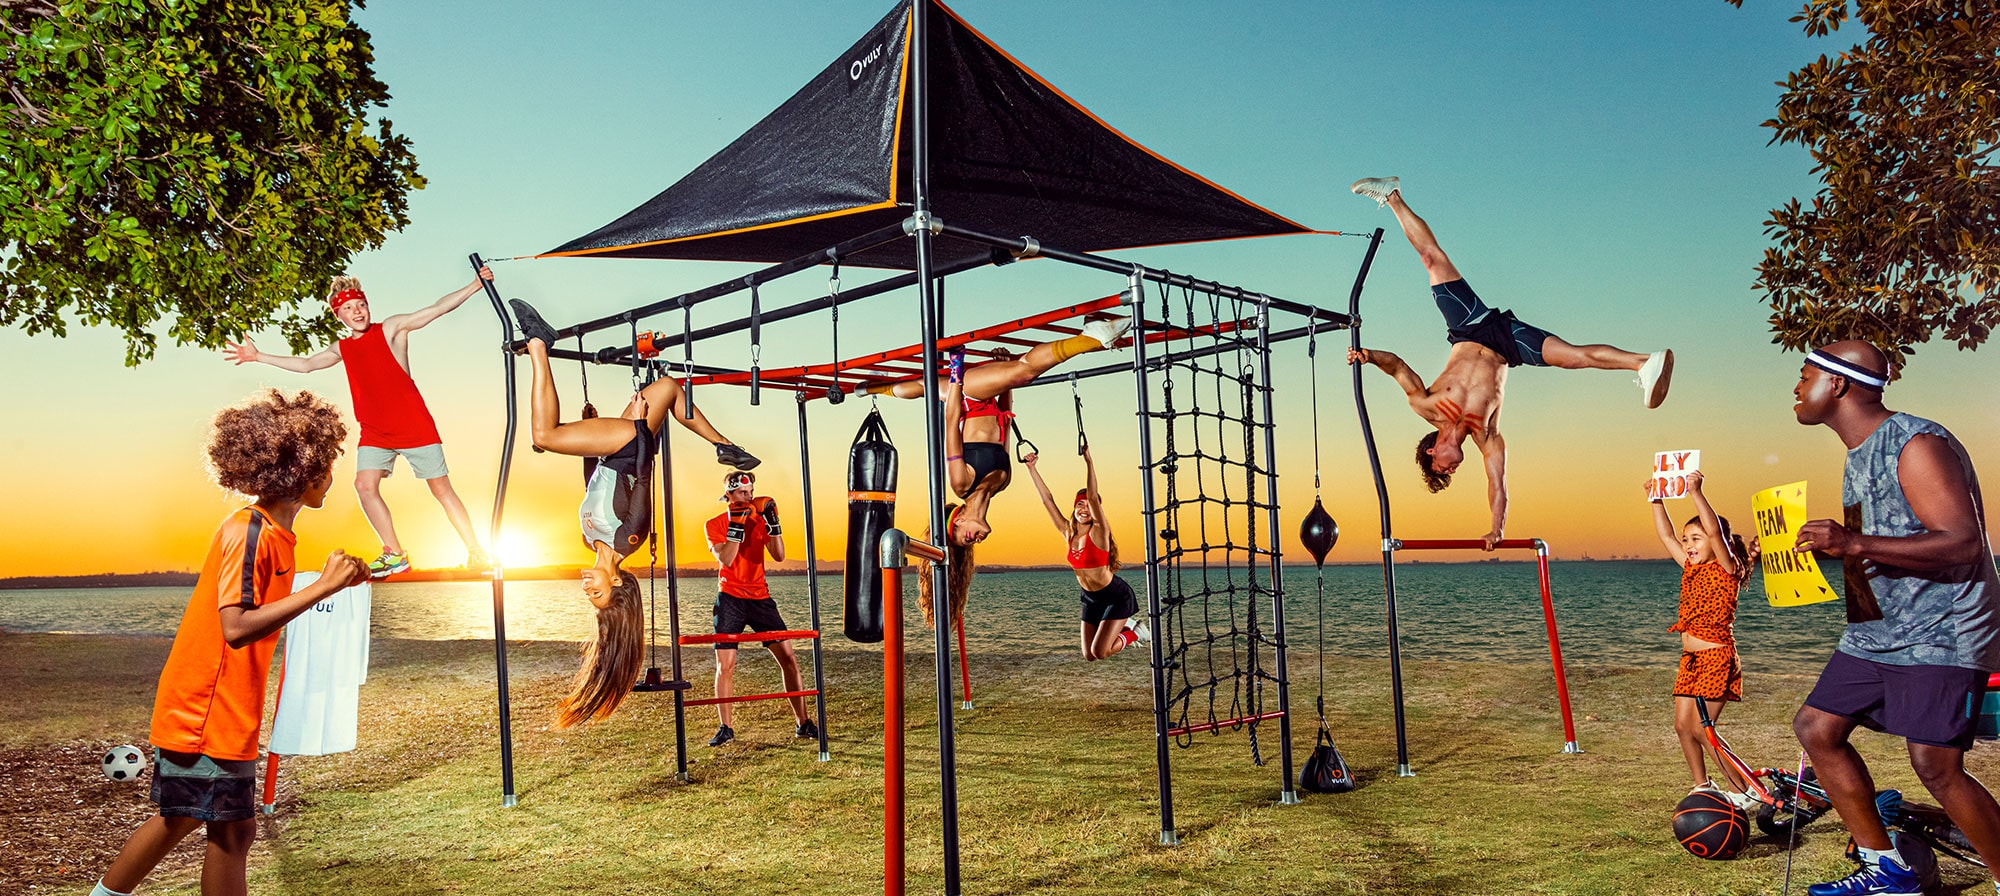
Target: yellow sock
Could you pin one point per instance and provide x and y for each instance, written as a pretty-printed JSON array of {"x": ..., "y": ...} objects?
[{"x": 1066, "y": 349}]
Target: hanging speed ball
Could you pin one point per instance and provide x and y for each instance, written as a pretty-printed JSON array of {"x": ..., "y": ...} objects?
[{"x": 1318, "y": 532}]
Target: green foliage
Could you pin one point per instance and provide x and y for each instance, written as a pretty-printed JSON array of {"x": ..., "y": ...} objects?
[
  {"x": 207, "y": 161},
  {"x": 1903, "y": 242}
]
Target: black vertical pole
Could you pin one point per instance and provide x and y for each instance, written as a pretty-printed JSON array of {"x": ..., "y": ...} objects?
[
  {"x": 672, "y": 563},
  {"x": 1382, "y": 499},
  {"x": 1286, "y": 794},
  {"x": 493, "y": 540},
  {"x": 1135, "y": 290},
  {"x": 921, "y": 228},
  {"x": 812, "y": 577}
]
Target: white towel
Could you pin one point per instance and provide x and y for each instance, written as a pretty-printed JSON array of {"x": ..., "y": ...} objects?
[{"x": 326, "y": 662}]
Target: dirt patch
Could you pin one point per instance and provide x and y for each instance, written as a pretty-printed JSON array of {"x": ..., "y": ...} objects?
[{"x": 49, "y": 794}]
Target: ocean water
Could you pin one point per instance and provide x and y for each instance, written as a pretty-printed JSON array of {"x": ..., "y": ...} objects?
[{"x": 1608, "y": 613}]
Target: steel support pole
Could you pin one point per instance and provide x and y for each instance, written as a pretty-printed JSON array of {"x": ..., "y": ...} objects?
[
  {"x": 1135, "y": 290},
  {"x": 499, "y": 572},
  {"x": 1287, "y": 795},
  {"x": 812, "y": 578}
]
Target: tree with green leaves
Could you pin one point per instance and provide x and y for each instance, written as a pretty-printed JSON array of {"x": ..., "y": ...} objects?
[
  {"x": 1902, "y": 244},
  {"x": 202, "y": 166}
]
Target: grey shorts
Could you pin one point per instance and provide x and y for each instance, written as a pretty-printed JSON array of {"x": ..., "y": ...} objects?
[
  {"x": 426, "y": 461},
  {"x": 192, "y": 785}
]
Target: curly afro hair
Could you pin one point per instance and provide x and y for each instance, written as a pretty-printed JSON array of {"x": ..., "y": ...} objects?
[
  {"x": 274, "y": 447},
  {"x": 1433, "y": 479}
]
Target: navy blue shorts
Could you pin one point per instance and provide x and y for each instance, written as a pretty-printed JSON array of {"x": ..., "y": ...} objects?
[
  {"x": 1466, "y": 320},
  {"x": 191, "y": 785},
  {"x": 1113, "y": 601},
  {"x": 734, "y": 614},
  {"x": 1935, "y": 705}
]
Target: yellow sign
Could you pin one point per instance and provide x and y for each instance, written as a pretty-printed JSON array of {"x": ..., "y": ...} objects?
[{"x": 1790, "y": 580}]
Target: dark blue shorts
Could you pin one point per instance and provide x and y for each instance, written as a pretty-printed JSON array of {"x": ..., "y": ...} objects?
[
  {"x": 1467, "y": 319},
  {"x": 1113, "y": 601},
  {"x": 734, "y": 614},
  {"x": 191, "y": 785},
  {"x": 1935, "y": 705}
]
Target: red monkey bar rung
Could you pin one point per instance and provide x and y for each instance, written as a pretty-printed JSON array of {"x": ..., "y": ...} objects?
[{"x": 1541, "y": 549}]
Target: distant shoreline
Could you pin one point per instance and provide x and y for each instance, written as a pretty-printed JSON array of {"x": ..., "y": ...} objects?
[{"x": 185, "y": 579}]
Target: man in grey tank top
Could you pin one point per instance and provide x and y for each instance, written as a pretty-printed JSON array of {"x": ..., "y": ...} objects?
[{"x": 1923, "y": 612}]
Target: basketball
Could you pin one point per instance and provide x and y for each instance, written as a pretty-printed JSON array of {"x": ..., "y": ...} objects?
[
  {"x": 124, "y": 763},
  {"x": 1709, "y": 827}
]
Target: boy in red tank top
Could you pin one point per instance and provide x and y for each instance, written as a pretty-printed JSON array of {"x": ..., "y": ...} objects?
[
  {"x": 210, "y": 706},
  {"x": 394, "y": 419}
]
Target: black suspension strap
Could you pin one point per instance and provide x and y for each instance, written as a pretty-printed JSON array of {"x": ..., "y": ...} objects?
[
  {"x": 833, "y": 301},
  {"x": 756, "y": 342},
  {"x": 583, "y": 370},
  {"x": 687, "y": 359},
  {"x": 1082, "y": 441}
]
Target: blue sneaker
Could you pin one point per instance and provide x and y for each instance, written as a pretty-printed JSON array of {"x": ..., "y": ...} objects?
[{"x": 1883, "y": 879}]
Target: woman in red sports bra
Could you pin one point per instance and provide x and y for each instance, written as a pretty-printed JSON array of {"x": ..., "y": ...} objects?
[
  {"x": 1108, "y": 602},
  {"x": 978, "y": 412}
]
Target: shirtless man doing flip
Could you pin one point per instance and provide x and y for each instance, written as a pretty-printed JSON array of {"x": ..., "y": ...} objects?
[{"x": 1464, "y": 400}]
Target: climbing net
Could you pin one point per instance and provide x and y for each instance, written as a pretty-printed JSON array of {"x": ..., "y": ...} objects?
[{"x": 1215, "y": 570}]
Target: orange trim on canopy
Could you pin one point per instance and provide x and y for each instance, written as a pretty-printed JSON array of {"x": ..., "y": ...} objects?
[{"x": 584, "y": 253}]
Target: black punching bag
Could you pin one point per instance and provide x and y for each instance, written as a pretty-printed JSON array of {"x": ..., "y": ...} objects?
[
  {"x": 1318, "y": 532},
  {"x": 871, "y": 511}
]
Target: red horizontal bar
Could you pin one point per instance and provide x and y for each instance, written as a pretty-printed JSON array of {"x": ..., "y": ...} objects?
[
  {"x": 1210, "y": 726},
  {"x": 780, "y": 696},
  {"x": 747, "y": 637},
  {"x": 1463, "y": 544}
]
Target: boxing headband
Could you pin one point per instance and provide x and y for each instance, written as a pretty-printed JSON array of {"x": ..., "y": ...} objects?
[
  {"x": 343, "y": 297},
  {"x": 1855, "y": 373}
]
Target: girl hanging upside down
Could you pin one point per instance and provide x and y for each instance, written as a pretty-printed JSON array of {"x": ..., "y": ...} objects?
[
  {"x": 978, "y": 407},
  {"x": 616, "y": 514},
  {"x": 1108, "y": 602}
]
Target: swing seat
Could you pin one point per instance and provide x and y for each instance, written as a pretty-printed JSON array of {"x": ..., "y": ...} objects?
[{"x": 749, "y": 637}]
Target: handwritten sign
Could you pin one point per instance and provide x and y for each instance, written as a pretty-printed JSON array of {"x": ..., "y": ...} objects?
[
  {"x": 1790, "y": 580},
  {"x": 1670, "y": 473}
]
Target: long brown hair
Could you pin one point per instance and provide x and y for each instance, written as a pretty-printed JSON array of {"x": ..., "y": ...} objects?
[
  {"x": 611, "y": 662},
  {"x": 1110, "y": 540},
  {"x": 961, "y": 565}
]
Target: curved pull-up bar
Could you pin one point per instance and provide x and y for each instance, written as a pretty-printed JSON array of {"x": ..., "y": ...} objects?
[{"x": 1541, "y": 549}]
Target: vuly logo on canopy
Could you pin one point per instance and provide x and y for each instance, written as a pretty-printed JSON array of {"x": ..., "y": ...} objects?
[{"x": 855, "y": 68}]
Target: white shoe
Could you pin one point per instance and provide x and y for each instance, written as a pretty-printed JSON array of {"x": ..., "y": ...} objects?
[
  {"x": 1377, "y": 188},
  {"x": 1139, "y": 629},
  {"x": 1108, "y": 330},
  {"x": 1654, "y": 376}
]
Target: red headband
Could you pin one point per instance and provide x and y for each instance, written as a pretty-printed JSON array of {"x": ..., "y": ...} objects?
[{"x": 343, "y": 297}]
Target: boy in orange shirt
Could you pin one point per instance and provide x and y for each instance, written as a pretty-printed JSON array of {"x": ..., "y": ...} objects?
[
  {"x": 740, "y": 537},
  {"x": 210, "y": 706}
]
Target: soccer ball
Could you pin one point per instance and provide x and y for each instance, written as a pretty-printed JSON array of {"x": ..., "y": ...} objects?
[{"x": 124, "y": 763}]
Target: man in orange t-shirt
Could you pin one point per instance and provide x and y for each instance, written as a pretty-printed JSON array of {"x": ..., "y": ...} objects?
[
  {"x": 210, "y": 706},
  {"x": 740, "y": 537}
]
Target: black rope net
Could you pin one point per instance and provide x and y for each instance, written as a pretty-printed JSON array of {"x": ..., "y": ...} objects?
[{"x": 1213, "y": 569}]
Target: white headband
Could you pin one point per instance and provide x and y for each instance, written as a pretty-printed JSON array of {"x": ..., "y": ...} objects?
[{"x": 1838, "y": 366}]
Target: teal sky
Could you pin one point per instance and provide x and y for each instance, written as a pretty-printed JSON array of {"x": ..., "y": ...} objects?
[{"x": 1599, "y": 168}]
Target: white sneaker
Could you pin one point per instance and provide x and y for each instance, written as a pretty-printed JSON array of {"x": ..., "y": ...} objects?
[
  {"x": 1108, "y": 330},
  {"x": 1138, "y": 628},
  {"x": 1654, "y": 376},
  {"x": 1377, "y": 188}
]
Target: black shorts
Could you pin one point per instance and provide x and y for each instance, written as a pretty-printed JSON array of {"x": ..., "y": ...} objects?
[
  {"x": 1113, "y": 601},
  {"x": 190, "y": 785},
  {"x": 1935, "y": 705},
  {"x": 733, "y": 614},
  {"x": 1468, "y": 319}
]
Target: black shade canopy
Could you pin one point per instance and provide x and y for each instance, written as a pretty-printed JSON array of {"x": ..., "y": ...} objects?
[{"x": 1010, "y": 156}]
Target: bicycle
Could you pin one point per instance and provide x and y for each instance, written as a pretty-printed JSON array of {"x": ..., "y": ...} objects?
[{"x": 1787, "y": 799}]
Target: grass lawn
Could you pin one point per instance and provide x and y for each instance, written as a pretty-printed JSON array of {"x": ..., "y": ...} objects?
[{"x": 1056, "y": 785}]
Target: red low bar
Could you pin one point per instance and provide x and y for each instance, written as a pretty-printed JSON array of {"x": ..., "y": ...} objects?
[
  {"x": 1211, "y": 726},
  {"x": 1462, "y": 544},
  {"x": 748, "y": 637},
  {"x": 780, "y": 696}
]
